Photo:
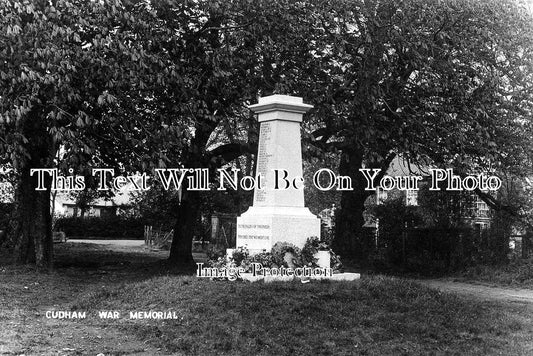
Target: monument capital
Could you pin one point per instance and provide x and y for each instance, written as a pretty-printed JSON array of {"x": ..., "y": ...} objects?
[{"x": 280, "y": 107}]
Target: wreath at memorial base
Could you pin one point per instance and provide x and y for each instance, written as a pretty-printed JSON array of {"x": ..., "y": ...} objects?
[
  {"x": 286, "y": 254},
  {"x": 310, "y": 249}
]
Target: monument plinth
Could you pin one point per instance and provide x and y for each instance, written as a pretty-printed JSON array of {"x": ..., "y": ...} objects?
[{"x": 278, "y": 214}]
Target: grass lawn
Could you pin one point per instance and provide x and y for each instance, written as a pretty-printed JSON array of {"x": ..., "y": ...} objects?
[{"x": 375, "y": 316}]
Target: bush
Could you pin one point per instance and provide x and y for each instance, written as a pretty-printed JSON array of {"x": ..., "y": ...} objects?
[
  {"x": 115, "y": 227},
  {"x": 7, "y": 225},
  {"x": 5, "y": 215}
]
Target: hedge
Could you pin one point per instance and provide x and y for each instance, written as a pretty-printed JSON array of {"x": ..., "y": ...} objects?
[
  {"x": 431, "y": 250},
  {"x": 115, "y": 227}
]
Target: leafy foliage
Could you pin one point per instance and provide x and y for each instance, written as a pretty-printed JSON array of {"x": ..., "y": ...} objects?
[
  {"x": 156, "y": 206},
  {"x": 443, "y": 83}
]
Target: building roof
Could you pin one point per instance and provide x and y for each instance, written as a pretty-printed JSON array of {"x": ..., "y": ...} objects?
[
  {"x": 121, "y": 198},
  {"x": 400, "y": 166}
]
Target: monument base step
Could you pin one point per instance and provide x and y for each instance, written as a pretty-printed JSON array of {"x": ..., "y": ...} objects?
[{"x": 347, "y": 277}]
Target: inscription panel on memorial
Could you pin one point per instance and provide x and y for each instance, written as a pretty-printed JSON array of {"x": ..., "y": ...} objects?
[
  {"x": 264, "y": 159},
  {"x": 254, "y": 235}
]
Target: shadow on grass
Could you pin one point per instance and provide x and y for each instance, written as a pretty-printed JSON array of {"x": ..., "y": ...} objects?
[
  {"x": 131, "y": 262},
  {"x": 79, "y": 267}
]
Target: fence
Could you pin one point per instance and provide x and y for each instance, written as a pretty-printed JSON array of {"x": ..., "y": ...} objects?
[
  {"x": 157, "y": 239},
  {"x": 223, "y": 230}
]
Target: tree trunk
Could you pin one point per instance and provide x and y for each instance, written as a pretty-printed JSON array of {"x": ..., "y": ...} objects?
[
  {"x": 189, "y": 208},
  {"x": 33, "y": 234},
  {"x": 348, "y": 241},
  {"x": 34, "y": 243},
  {"x": 188, "y": 215}
]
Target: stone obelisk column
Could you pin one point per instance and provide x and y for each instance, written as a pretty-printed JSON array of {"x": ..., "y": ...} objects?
[{"x": 278, "y": 214}]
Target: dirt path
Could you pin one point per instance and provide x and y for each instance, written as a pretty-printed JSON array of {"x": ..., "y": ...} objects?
[
  {"x": 482, "y": 291},
  {"x": 132, "y": 243}
]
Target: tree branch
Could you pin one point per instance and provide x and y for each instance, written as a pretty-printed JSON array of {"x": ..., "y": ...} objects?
[
  {"x": 228, "y": 152},
  {"x": 384, "y": 166}
]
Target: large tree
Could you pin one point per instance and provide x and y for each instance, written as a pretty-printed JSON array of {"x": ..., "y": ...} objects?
[
  {"x": 228, "y": 53},
  {"x": 448, "y": 81},
  {"x": 60, "y": 61}
]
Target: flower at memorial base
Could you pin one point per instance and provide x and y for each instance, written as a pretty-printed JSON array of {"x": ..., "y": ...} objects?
[
  {"x": 240, "y": 254},
  {"x": 265, "y": 259}
]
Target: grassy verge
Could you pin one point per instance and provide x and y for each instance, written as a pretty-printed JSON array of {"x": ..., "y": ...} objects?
[
  {"x": 518, "y": 273},
  {"x": 375, "y": 316}
]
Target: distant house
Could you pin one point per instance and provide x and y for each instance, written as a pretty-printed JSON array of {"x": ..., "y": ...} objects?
[
  {"x": 478, "y": 213},
  {"x": 98, "y": 208},
  {"x": 64, "y": 205}
]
